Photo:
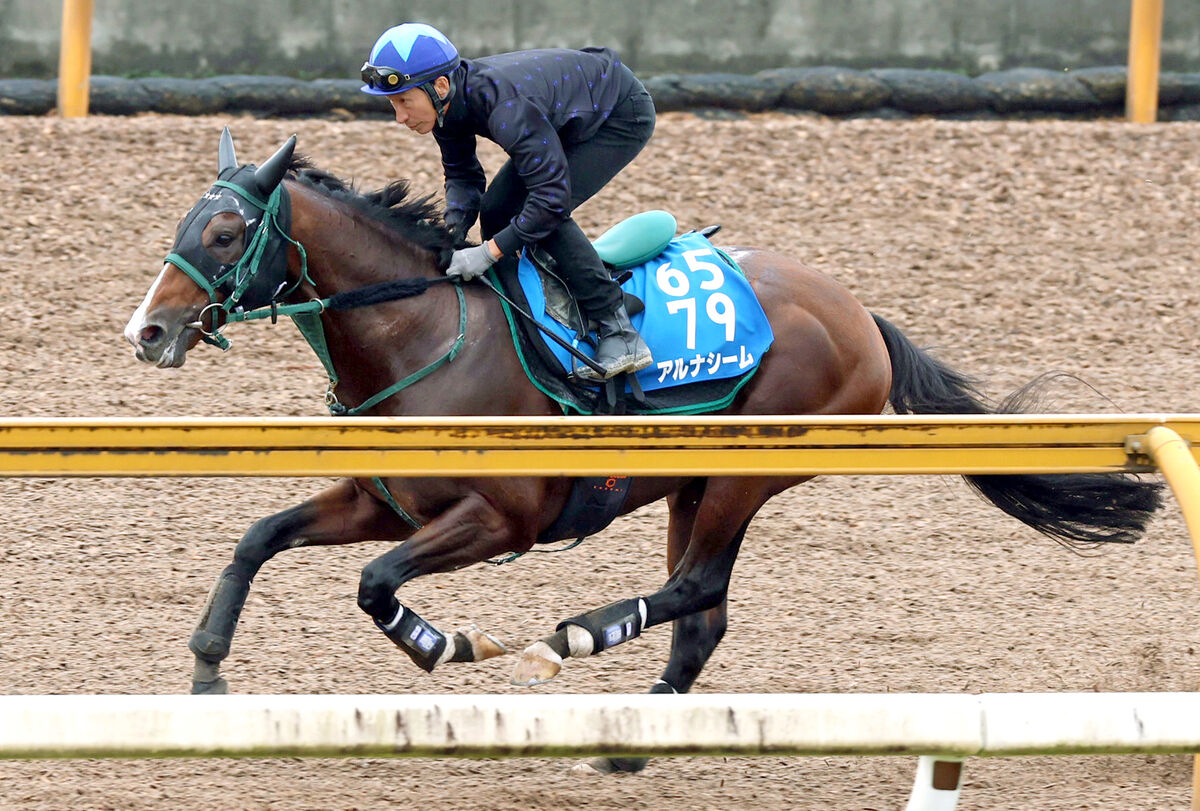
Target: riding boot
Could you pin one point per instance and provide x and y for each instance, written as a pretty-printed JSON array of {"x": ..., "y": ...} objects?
[{"x": 621, "y": 348}]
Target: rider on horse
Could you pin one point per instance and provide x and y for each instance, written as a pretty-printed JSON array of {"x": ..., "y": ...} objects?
[{"x": 569, "y": 121}]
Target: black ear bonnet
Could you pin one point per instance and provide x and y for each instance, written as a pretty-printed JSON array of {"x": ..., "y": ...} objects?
[{"x": 260, "y": 274}]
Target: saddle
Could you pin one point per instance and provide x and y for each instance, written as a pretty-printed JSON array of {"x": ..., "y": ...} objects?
[
  {"x": 696, "y": 310},
  {"x": 633, "y": 250},
  {"x": 629, "y": 243}
]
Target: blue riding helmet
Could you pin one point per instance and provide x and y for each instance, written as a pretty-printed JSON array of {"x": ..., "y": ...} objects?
[{"x": 407, "y": 56}]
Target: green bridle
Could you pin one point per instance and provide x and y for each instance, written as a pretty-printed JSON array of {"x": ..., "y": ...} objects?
[
  {"x": 305, "y": 315},
  {"x": 239, "y": 276}
]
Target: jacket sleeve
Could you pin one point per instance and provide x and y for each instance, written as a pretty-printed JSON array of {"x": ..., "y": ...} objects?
[
  {"x": 524, "y": 132},
  {"x": 465, "y": 180}
]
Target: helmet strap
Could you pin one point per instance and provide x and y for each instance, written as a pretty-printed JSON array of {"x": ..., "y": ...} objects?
[{"x": 440, "y": 105}]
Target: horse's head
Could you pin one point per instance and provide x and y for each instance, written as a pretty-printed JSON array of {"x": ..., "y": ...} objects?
[{"x": 230, "y": 252}]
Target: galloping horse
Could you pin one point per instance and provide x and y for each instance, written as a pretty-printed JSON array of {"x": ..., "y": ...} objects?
[{"x": 285, "y": 234}]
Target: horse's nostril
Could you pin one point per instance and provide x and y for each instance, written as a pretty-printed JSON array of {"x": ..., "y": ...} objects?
[{"x": 150, "y": 335}]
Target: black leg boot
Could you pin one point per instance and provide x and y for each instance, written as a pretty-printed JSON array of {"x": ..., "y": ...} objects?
[{"x": 621, "y": 348}]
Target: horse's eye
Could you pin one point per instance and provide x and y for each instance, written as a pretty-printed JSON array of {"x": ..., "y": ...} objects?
[{"x": 223, "y": 240}]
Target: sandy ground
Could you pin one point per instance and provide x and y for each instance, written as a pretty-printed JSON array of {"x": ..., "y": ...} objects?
[{"x": 1014, "y": 248}]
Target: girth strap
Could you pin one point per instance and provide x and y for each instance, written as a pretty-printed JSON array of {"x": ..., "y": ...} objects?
[{"x": 395, "y": 505}]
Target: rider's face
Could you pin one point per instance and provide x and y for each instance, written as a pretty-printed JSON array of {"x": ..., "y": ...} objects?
[{"x": 414, "y": 110}]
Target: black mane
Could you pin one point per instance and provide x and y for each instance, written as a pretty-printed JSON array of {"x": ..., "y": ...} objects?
[{"x": 417, "y": 220}]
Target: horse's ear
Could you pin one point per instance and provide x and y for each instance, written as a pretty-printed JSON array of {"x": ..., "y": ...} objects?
[
  {"x": 226, "y": 157},
  {"x": 270, "y": 173}
]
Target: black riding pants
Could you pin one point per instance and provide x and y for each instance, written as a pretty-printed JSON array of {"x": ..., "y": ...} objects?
[{"x": 590, "y": 165}]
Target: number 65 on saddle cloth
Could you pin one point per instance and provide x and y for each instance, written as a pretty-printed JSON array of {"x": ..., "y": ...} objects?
[{"x": 702, "y": 320}]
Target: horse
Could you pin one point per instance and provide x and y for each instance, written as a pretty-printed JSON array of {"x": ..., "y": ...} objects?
[{"x": 288, "y": 238}]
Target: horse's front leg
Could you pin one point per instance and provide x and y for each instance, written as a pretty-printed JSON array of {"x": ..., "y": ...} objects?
[
  {"x": 471, "y": 530},
  {"x": 341, "y": 514},
  {"x": 698, "y": 583},
  {"x": 693, "y": 641},
  {"x": 694, "y": 636}
]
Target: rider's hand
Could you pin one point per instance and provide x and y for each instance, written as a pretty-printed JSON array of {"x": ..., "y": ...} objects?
[{"x": 471, "y": 262}]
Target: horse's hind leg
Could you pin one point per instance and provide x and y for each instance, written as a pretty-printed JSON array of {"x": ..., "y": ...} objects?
[{"x": 339, "y": 515}]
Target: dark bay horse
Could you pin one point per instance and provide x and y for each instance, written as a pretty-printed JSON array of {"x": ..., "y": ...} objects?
[{"x": 284, "y": 234}]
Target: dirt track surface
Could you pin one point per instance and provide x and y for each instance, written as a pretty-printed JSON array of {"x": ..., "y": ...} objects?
[{"x": 1014, "y": 248}]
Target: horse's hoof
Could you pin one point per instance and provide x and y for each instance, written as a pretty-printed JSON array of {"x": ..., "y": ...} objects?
[
  {"x": 220, "y": 687},
  {"x": 538, "y": 665},
  {"x": 592, "y": 768},
  {"x": 628, "y": 765},
  {"x": 607, "y": 765},
  {"x": 483, "y": 644}
]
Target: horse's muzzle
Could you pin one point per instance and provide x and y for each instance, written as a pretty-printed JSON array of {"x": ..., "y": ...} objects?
[{"x": 159, "y": 344}]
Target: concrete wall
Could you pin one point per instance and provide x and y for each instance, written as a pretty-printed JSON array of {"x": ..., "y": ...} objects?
[{"x": 313, "y": 38}]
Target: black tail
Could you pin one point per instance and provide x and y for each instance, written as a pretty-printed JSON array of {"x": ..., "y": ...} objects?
[{"x": 1070, "y": 507}]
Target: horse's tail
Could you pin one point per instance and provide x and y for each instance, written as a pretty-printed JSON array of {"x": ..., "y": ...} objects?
[{"x": 1070, "y": 507}]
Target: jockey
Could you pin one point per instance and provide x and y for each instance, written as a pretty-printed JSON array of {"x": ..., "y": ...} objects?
[{"x": 569, "y": 121}]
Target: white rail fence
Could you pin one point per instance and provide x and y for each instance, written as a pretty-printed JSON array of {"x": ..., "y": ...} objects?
[
  {"x": 942, "y": 728},
  {"x": 414, "y": 725}
]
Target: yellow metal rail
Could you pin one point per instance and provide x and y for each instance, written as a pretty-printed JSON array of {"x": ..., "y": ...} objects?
[{"x": 514, "y": 446}]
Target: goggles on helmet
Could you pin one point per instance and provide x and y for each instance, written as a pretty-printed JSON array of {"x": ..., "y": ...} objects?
[{"x": 385, "y": 79}]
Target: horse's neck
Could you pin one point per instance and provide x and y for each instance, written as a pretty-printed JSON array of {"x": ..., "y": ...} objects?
[
  {"x": 373, "y": 346},
  {"x": 348, "y": 250}
]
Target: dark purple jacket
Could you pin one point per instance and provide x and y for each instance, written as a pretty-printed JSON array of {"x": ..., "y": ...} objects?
[{"x": 531, "y": 103}]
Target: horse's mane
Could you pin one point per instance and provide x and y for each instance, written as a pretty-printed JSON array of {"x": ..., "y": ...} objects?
[{"x": 418, "y": 220}]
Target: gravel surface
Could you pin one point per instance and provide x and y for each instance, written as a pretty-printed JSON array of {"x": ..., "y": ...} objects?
[{"x": 1013, "y": 248}]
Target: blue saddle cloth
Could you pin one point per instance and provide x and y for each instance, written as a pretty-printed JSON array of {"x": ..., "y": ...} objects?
[{"x": 702, "y": 320}]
